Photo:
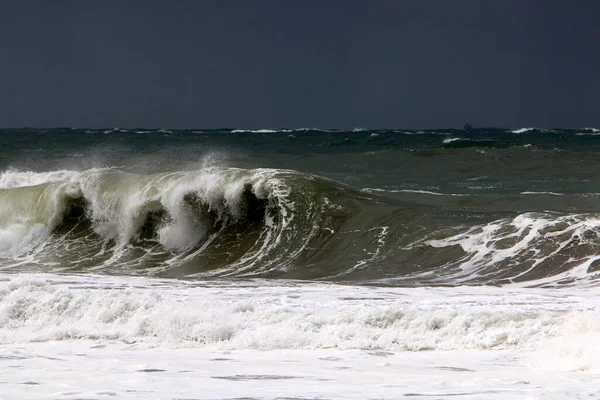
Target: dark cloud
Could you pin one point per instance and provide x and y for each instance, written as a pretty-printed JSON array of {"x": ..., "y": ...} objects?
[{"x": 298, "y": 64}]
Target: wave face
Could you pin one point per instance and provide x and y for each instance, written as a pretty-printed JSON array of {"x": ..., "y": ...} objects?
[
  {"x": 211, "y": 221},
  {"x": 408, "y": 208},
  {"x": 281, "y": 223}
]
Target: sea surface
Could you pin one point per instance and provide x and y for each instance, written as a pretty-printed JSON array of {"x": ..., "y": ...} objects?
[{"x": 299, "y": 263}]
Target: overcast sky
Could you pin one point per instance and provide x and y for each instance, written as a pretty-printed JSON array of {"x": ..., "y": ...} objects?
[{"x": 260, "y": 64}]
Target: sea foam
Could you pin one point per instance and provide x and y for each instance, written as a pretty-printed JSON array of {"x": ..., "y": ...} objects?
[{"x": 272, "y": 316}]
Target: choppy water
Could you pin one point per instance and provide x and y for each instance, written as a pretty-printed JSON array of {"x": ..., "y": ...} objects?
[{"x": 213, "y": 239}]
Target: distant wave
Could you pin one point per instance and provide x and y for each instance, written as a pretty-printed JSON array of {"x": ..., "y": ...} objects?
[
  {"x": 287, "y": 130},
  {"x": 523, "y": 130},
  {"x": 293, "y": 130},
  {"x": 314, "y": 130},
  {"x": 260, "y": 130},
  {"x": 548, "y": 193},
  {"x": 374, "y": 190},
  {"x": 589, "y": 132},
  {"x": 458, "y": 142},
  {"x": 450, "y": 140}
]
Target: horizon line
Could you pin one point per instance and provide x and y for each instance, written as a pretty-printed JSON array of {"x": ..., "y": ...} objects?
[{"x": 265, "y": 129}]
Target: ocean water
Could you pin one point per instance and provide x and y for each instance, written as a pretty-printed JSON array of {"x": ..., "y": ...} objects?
[{"x": 299, "y": 263}]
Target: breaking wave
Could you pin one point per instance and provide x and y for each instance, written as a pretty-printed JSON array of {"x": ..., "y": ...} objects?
[
  {"x": 286, "y": 224},
  {"x": 215, "y": 220}
]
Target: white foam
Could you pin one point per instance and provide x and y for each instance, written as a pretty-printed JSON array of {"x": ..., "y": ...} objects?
[
  {"x": 528, "y": 239},
  {"x": 523, "y": 130},
  {"x": 313, "y": 129},
  {"x": 136, "y": 337},
  {"x": 548, "y": 193},
  {"x": 574, "y": 348},
  {"x": 416, "y": 191},
  {"x": 260, "y": 130},
  {"x": 450, "y": 140},
  {"x": 271, "y": 316},
  {"x": 589, "y": 132}
]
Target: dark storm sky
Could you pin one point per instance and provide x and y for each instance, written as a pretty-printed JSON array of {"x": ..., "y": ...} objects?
[{"x": 378, "y": 64}]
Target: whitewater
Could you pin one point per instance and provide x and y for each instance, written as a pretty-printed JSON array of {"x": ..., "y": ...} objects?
[{"x": 299, "y": 263}]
